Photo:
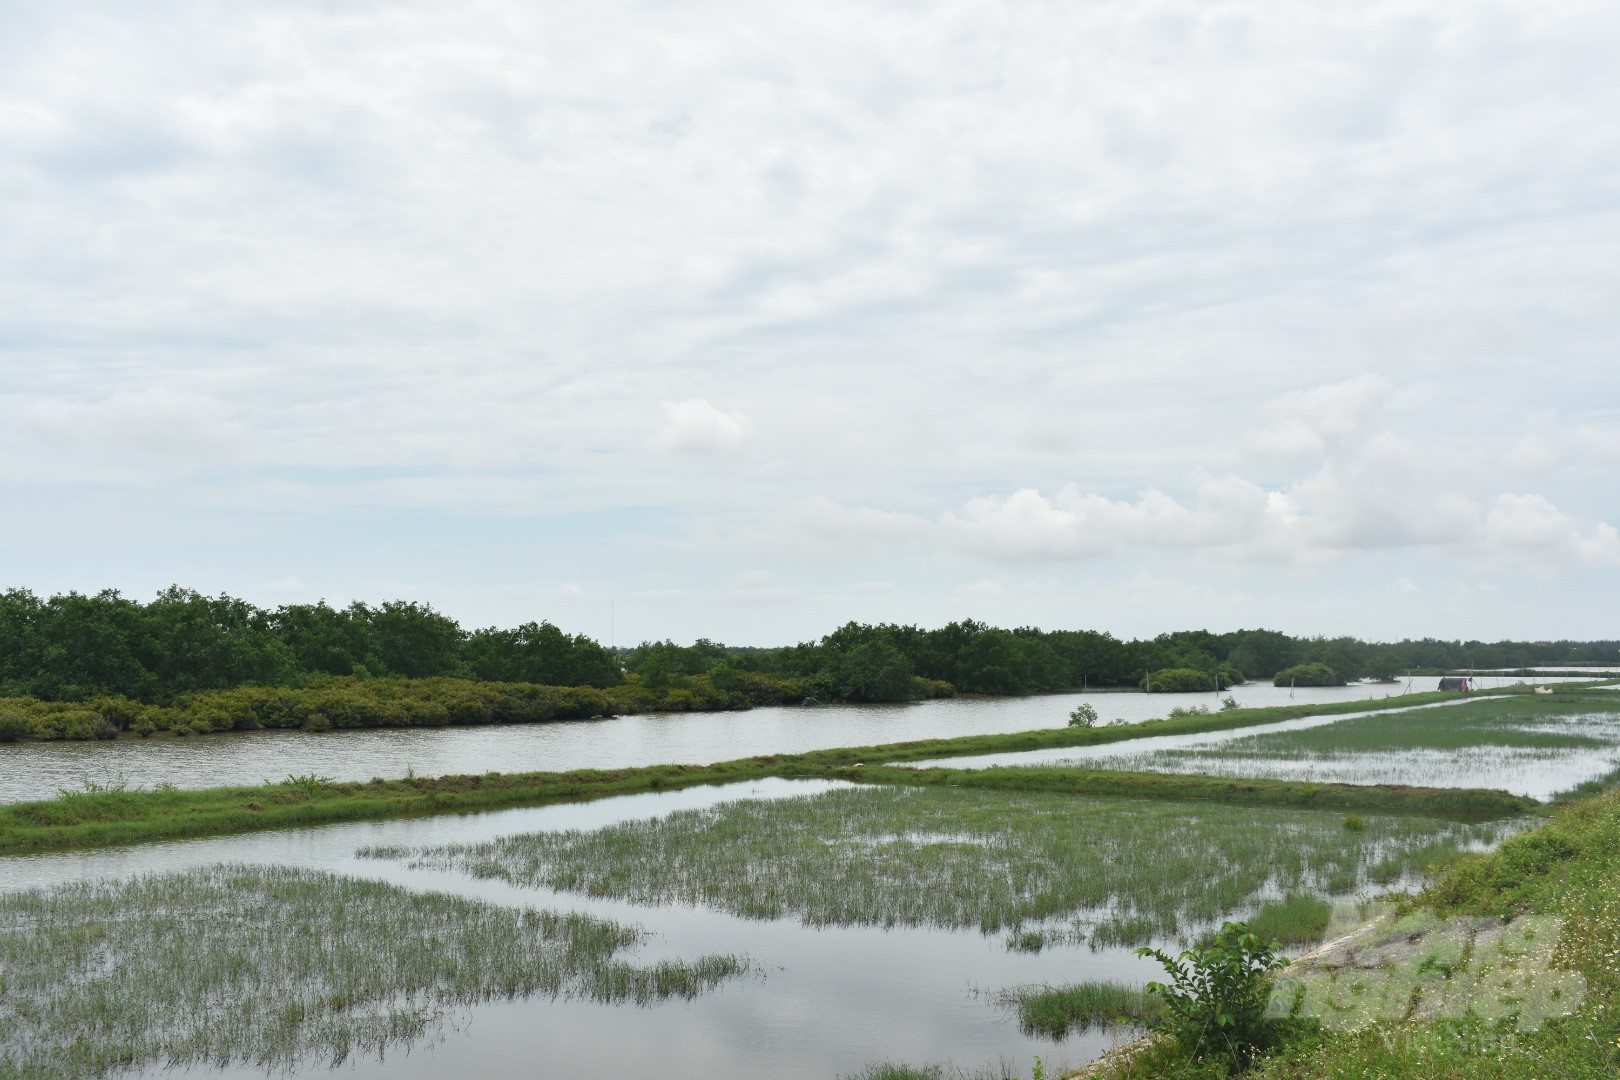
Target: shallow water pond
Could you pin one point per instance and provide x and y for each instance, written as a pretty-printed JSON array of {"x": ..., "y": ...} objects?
[
  {"x": 1518, "y": 746},
  {"x": 820, "y": 1001}
]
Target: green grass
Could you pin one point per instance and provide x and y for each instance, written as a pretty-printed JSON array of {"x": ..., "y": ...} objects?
[
  {"x": 274, "y": 967},
  {"x": 1107, "y": 871},
  {"x": 120, "y": 817},
  {"x": 1293, "y": 920},
  {"x": 1055, "y": 1011},
  {"x": 1391, "y": 798}
]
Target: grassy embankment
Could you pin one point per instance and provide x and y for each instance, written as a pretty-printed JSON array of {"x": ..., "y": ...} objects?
[
  {"x": 1565, "y": 868},
  {"x": 91, "y": 818},
  {"x": 274, "y": 967},
  {"x": 1039, "y": 868}
]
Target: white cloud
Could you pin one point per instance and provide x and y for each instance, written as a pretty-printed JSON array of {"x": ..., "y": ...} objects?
[
  {"x": 161, "y": 422},
  {"x": 1075, "y": 524},
  {"x": 1313, "y": 423},
  {"x": 696, "y": 427},
  {"x": 1530, "y": 531},
  {"x": 1372, "y": 490},
  {"x": 820, "y": 526}
]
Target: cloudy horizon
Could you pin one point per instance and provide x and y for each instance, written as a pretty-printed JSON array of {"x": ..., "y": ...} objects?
[{"x": 706, "y": 320}]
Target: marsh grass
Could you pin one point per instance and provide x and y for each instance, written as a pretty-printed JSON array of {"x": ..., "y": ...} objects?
[
  {"x": 274, "y": 967},
  {"x": 1294, "y": 920},
  {"x": 1107, "y": 871},
  {"x": 1055, "y": 1011},
  {"x": 1522, "y": 742}
]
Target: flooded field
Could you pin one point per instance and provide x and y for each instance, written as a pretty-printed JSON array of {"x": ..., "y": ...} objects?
[
  {"x": 38, "y": 770},
  {"x": 1518, "y": 745},
  {"x": 906, "y": 980}
]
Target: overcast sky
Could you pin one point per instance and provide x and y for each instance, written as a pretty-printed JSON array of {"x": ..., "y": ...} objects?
[{"x": 680, "y": 319}]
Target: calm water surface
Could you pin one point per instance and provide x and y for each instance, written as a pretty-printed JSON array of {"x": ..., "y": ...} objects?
[
  {"x": 40, "y": 770},
  {"x": 824, "y": 1002}
]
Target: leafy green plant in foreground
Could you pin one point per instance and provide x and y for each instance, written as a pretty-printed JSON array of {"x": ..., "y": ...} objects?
[{"x": 1215, "y": 1003}]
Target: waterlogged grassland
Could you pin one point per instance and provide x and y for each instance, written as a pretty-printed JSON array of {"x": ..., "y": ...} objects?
[
  {"x": 272, "y": 967},
  {"x": 1038, "y": 868},
  {"x": 97, "y": 817},
  {"x": 1524, "y": 745}
]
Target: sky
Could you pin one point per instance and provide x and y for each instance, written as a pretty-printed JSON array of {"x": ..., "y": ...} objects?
[{"x": 740, "y": 321}]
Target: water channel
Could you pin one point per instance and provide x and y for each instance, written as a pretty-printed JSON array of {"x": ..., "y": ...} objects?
[{"x": 38, "y": 770}]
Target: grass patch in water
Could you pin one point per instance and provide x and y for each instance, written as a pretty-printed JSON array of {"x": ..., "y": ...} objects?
[
  {"x": 272, "y": 967},
  {"x": 1294, "y": 920},
  {"x": 1111, "y": 871},
  {"x": 1055, "y": 1011}
]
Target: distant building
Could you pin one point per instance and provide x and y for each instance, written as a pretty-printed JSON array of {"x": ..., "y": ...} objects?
[{"x": 1458, "y": 683}]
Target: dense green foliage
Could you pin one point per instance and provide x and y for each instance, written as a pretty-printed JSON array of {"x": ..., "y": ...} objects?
[
  {"x": 1187, "y": 680},
  {"x": 331, "y": 702},
  {"x": 76, "y": 647},
  {"x": 1309, "y": 674}
]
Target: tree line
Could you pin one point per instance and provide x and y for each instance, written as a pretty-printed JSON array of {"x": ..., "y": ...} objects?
[
  {"x": 77, "y": 647},
  {"x": 888, "y": 662}
]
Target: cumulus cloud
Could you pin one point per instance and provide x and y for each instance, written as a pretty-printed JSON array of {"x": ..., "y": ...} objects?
[
  {"x": 1371, "y": 490},
  {"x": 1312, "y": 423},
  {"x": 696, "y": 427},
  {"x": 1076, "y": 524}
]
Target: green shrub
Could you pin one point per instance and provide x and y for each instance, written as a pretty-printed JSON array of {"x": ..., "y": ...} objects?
[
  {"x": 1182, "y": 681},
  {"x": 1215, "y": 1004},
  {"x": 1307, "y": 675},
  {"x": 14, "y": 726},
  {"x": 1082, "y": 716}
]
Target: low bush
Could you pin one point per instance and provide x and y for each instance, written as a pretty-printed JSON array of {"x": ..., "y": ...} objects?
[
  {"x": 1307, "y": 675},
  {"x": 1214, "y": 1006},
  {"x": 1183, "y": 681}
]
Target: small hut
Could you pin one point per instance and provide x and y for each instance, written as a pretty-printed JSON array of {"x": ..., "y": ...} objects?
[{"x": 1458, "y": 683}]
